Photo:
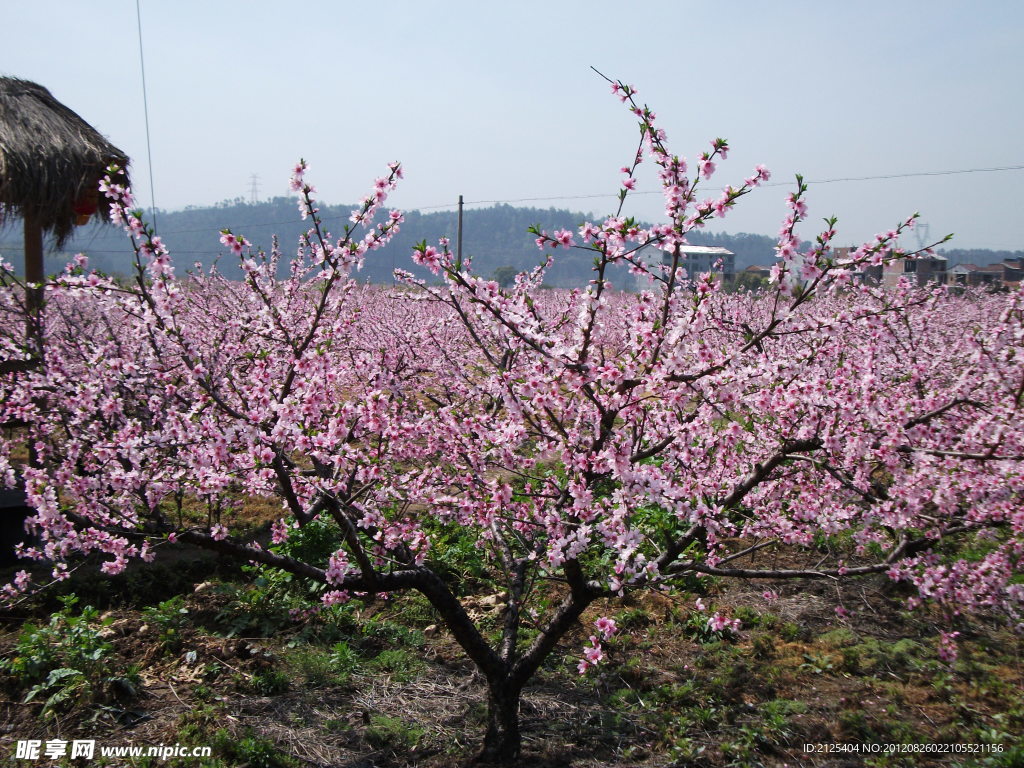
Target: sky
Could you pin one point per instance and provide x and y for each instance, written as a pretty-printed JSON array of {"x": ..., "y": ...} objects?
[{"x": 499, "y": 101}]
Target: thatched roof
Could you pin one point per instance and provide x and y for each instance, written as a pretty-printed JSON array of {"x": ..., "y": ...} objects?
[{"x": 49, "y": 157}]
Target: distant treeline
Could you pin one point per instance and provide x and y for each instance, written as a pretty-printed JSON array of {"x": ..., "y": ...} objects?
[
  {"x": 978, "y": 256},
  {"x": 495, "y": 238}
]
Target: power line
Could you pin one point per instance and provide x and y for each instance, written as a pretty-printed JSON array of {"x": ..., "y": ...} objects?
[
  {"x": 880, "y": 177},
  {"x": 910, "y": 175},
  {"x": 770, "y": 184},
  {"x": 527, "y": 200},
  {"x": 145, "y": 110}
]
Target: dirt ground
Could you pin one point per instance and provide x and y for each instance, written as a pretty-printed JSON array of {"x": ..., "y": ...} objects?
[{"x": 795, "y": 682}]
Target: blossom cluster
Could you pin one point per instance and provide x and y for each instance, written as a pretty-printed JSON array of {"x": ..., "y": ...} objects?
[{"x": 610, "y": 441}]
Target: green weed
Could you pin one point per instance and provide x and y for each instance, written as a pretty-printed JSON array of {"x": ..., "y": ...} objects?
[
  {"x": 250, "y": 751},
  {"x": 321, "y": 668},
  {"x": 399, "y": 663},
  {"x": 393, "y": 733},
  {"x": 456, "y": 555},
  {"x": 389, "y": 633},
  {"x": 68, "y": 662},
  {"x": 171, "y": 618},
  {"x": 270, "y": 682},
  {"x": 763, "y": 646}
]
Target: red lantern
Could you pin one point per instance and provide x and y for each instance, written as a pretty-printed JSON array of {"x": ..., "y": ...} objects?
[{"x": 85, "y": 206}]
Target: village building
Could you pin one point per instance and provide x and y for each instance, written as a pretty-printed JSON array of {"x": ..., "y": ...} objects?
[
  {"x": 696, "y": 260},
  {"x": 1007, "y": 273},
  {"x": 758, "y": 270},
  {"x": 922, "y": 270}
]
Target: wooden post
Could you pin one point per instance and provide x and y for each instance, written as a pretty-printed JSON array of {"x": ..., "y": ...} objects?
[
  {"x": 34, "y": 303},
  {"x": 458, "y": 243},
  {"x": 34, "y": 274}
]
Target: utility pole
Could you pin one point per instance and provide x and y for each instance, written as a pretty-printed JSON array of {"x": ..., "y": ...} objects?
[{"x": 458, "y": 243}]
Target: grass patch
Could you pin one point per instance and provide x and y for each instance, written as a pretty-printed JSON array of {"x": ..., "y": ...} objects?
[
  {"x": 399, "y": 664},
  {"x": 393, "y": 733}
]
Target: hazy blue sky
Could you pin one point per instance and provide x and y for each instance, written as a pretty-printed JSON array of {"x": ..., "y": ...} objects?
[{"x": 497, "y": 101}]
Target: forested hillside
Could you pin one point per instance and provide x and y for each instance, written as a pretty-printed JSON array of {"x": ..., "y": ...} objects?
[{"x": 494, "y": 237}]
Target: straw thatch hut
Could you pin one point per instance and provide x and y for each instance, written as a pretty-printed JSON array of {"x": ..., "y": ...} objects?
[
  {"x": 51, "y": 160},
  {"x": 51, "y": 163}
]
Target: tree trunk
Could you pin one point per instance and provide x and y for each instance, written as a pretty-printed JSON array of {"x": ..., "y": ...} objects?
[{"x": 502, "y": 741}]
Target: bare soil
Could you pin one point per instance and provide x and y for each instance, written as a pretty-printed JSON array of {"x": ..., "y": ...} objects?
[{"x": 797, "y": 680}]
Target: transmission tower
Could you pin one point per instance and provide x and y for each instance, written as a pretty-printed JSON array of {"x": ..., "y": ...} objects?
[
  {"x": 254, "y": 188},
  {"x": 922, "y": 230}
]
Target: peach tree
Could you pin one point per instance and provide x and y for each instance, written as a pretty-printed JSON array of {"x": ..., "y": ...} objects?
[{"x": 594, "y": 442}]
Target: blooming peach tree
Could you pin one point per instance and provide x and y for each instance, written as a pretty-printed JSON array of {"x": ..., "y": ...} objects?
[{"x": 595, "y": 442}]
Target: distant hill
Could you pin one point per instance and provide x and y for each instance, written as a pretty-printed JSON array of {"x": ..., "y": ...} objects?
[{"x": 494, "y": 237}]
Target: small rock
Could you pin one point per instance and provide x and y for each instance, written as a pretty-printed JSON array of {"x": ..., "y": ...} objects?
[{"x": 121, "y": 626}]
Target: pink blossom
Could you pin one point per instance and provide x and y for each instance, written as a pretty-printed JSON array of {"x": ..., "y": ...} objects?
[
  {"x": 335, "y": 597},
  {"x": 948, "y": 651},
  {"x": 717, "y": 622},
  {"x": 606, "y": 627},
  {"x": 428, "y": 257},
  {"x": 279, "y": 532},
  {"x": 235, "y": 243},
  {"x": 563, "y": 237},
  {"x": 298, "y": 172}
]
